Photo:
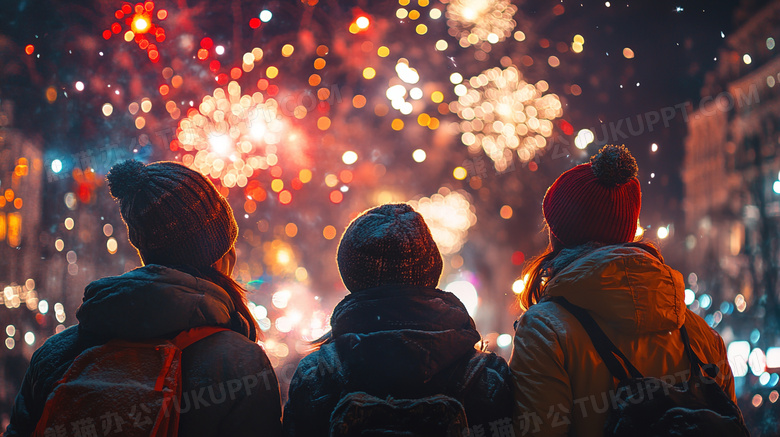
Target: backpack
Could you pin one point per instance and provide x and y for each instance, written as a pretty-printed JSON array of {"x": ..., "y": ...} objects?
[
  {"x": 442, "y": 415},
  {"x": 647, "y": 406},
  {"x": 121, "y": 387}
]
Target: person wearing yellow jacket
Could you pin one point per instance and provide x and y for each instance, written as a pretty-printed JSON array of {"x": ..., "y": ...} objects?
[{"x": 561, "y": 385}]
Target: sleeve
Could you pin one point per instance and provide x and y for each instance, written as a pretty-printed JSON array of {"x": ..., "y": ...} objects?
[
  {"x": 488, "y": 404},
  {"x": 47, "y": 366},
  {"x": 726, "y": 376},
  {"x": 228, "y": 388},
  {"x": 309, "y": 401},
  {"x": 542, "y": 390},
  {"x": 27, "y": 406},
  {"x": 260, "y": 412}
]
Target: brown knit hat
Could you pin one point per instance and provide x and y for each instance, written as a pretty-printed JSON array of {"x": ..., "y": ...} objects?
[
  {"x": 174, "y": 215},
  {"x": 388, "y": 245},
  {"x": 596, "y": 202}
]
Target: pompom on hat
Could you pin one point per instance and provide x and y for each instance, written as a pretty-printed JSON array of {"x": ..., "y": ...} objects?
[
  {"x": 598, "y": 201},
  {"x": 174, "y": 215},
  {"x": 388, "y": 245}
]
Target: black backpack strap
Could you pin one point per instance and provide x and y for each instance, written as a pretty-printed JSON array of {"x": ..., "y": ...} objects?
[
  {"x": 606, "y": 349},
  {"x": 697, "y": 365}
]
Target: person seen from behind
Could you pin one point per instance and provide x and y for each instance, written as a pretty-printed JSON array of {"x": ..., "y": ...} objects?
[
  {"x": 594, "y": 262},
  {"x": 401, "y": 357},
  {"x": 216, "y": 381}
]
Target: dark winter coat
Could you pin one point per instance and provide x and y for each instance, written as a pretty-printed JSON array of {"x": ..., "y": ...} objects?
[
  {"x": 407, "y": 342},
  {"x": 158, "y": 302}
]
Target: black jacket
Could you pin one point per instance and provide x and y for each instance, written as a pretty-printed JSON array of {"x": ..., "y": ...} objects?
[
  {"x": 404, "y": 342},
  {"x": 159, "y": 302}
]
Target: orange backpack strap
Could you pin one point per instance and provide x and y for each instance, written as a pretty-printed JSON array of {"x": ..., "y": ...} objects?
[{"x": 186, "y": 338}]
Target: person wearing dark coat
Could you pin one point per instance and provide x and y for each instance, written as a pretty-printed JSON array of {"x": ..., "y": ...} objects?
[
  {"x": 185, "y": 232},
  {"x": 396, "y": 335}
]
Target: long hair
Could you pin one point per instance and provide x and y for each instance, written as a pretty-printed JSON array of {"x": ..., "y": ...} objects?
[
  {"x": 237, "y": 295},
  {"x": 322, "y": 341},
  {"x": 535, "y": 273},
  {"x": 539, "y": 270}
]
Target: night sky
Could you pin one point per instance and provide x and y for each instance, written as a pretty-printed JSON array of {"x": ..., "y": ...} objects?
[
  {"x": 637, "y": 58},
  {"x": 675, "y": 44}
]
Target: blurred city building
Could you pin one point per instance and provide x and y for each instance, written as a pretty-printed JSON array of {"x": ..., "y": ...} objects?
[
  {"x": 732, "y": 203},
  {"x": 20, "y": 224}
]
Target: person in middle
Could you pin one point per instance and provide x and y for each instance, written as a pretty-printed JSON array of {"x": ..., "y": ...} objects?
[{"x": 396, "y": 335}]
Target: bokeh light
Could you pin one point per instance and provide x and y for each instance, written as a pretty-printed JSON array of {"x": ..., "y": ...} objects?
[
  {"x": 502, "y": 113},
  {"x": 476, "y": 21},
  {"x": 449, "y": 215},
  {"x": 349, "y": 157},
  {"x": 467, "y": 293},
  {"x": 231, "y": 135}
]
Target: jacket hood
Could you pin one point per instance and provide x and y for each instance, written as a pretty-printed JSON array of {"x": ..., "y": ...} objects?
[
  {"x": 152, "y": 302},
  {"x": 401, "y": 335},
  {"x": 626, "y": 287}
]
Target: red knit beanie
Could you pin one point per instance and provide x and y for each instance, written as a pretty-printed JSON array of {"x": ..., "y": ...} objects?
[{"x": 595, "y": 202}]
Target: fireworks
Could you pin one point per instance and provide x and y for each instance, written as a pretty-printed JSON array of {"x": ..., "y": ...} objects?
[
  {"x": 449, "y": 215},
  {"x": 501, "y": 112},
  {"x": 231, "y": 135},
  {"x": 137, "y": 21},
  {"x": 480, "y": 21}
]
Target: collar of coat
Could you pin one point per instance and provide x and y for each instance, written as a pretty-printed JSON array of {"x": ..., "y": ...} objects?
[
  {"x": 406, "y": 334},
  {"x": 153, "y": 302},
  {"x": 626, "y": 287},
  {"x": 397, "y": 307}
]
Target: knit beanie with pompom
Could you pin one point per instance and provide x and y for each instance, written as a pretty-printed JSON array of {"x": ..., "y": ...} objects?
[
  {"x": 174, "y": 215},
  {"x": 596, "y": 202},
  {"x": 388, "y": 245}
]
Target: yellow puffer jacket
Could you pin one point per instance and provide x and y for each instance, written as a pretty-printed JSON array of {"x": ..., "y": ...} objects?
[{"x": 562, "y": 386}]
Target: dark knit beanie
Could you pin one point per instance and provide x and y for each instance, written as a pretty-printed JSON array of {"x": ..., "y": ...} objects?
[
  {"x": 174, "y": 215},
  {"x": 596, "y": 202},
  {"x": 388, "y": 245}
]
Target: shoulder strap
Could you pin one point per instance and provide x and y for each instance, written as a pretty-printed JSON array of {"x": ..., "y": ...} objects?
[
  {"x": 606, "y": 349},
  {"x": 697, "y": 365},
  {"x": 187, "y": 338}
]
